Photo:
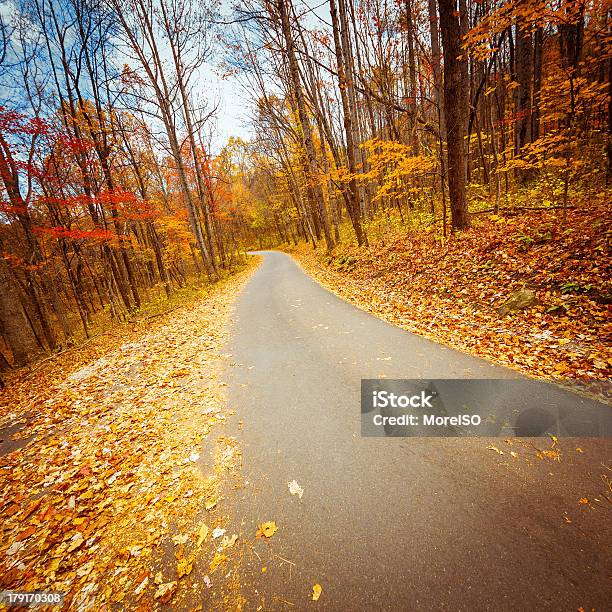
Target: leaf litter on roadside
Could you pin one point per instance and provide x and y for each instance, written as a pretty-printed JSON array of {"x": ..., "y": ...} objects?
[
  {"x": 454, "y": 297},
  {"x": 110, "y": 468}
]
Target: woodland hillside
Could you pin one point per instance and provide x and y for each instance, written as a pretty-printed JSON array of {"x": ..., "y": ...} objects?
[{"x": 412, "y": 118}]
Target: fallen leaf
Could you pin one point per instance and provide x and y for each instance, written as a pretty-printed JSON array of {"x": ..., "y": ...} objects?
[
  {"x": 217, "y": 532},
  {"x": 184, "y": 567},
  {"x": 316, "y": 592},
  {"x": 555, "y": 454},
  {"x": 583, "y": 501},
  {"x": 202, "y": 533},
  {"x": 267, "y": 529},
  {"x": 85, "y": 570},
  {"x": 228, "y": 542},
  {"x": 165, "y": 591},
  {"x": 76, "y": 542},
  {"x": 141, "y": 587},
  {"x": 295, "y": 489},
  {"x": 26, "y": 533},
  {"x": 217, "y": 560},
  {"x": 180, "y": 539},
  {"x": 494, "y": 448}
]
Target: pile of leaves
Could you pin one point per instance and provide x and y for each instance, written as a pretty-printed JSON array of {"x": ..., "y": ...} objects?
[
  {"x": 450, "y": 291},
  {"x": 107, "y": 492}
]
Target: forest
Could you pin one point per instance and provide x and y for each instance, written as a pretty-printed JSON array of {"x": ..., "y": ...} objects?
[
  {"x": 366, "y": 117},
  {"x": 195, "y": 195}
]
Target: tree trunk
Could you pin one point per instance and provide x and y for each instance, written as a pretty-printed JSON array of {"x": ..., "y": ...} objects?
[
  {"x": 352, "y": 197},
  {"x": 524, "y": 77},
  {"x": 454, "y": 113},
  {"x": 14, "y": 326},
  {"x": 316, "y": 196}
]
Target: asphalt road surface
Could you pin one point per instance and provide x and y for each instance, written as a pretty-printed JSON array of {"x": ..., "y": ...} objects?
[{"x": 393, "y": 523}]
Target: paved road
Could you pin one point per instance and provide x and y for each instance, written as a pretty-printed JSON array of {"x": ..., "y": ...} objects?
[{"x": 393, "y": 523}]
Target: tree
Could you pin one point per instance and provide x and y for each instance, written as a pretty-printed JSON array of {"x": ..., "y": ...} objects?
[{"x": 454, "y": 112}]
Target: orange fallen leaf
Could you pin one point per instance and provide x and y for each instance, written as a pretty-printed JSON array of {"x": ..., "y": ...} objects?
[{"x": 25, "y": 534}]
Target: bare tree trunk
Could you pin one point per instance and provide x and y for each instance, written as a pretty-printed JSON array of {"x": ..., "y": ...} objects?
[
  {"x": 524, "y": 77},
  {"x": 454, "y": 98},
  {"x": 14, "y": 326},
  {"x": 352, "y": 197},
  {"x": 315, "y": 194},
  {"x": 412, "y": 75},
  {"x": 537, "y": 82}
]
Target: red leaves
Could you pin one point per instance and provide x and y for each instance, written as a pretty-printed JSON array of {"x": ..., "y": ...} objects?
[
  {"x": 74, "y": 146},
  {"x": 75, "y": 234},
  {"x": 10, "y": 209},
  {"x": 12, "y": 122}
]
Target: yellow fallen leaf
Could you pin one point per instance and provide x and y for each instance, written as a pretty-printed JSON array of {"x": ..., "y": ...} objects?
[
  {"x": 316, "y": 592},
  {"x": 583, "y": 500},
  {"x": 184, "y": 567},
  {"x": 494, "y": 448},
  {"x": 77, "y": 541},
  {"x": 555, "y": 455},
  {"x": 267, "y": 529},
  {"x": 165, "y": 591},
  {"x": 217, "y": 560},
  {"x": 210, "y": 504},
  {"x": 202, "y": 533},
  {"x": 179, "y": 539},
  {"x": 579, "y": 450},
  {"x": 264, "y": 569},
  {"x": 228, "y": 542},
  {"x": 513, "y": 454}
]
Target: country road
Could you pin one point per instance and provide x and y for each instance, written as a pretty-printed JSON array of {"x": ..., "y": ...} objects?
[{"x": 394, "y": 523}]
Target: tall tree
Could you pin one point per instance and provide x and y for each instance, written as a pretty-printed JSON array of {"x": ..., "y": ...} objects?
[{"x": 455, "y": 112}]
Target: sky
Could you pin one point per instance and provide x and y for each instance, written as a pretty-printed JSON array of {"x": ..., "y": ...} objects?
[{"x": 232, "y": 115}]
